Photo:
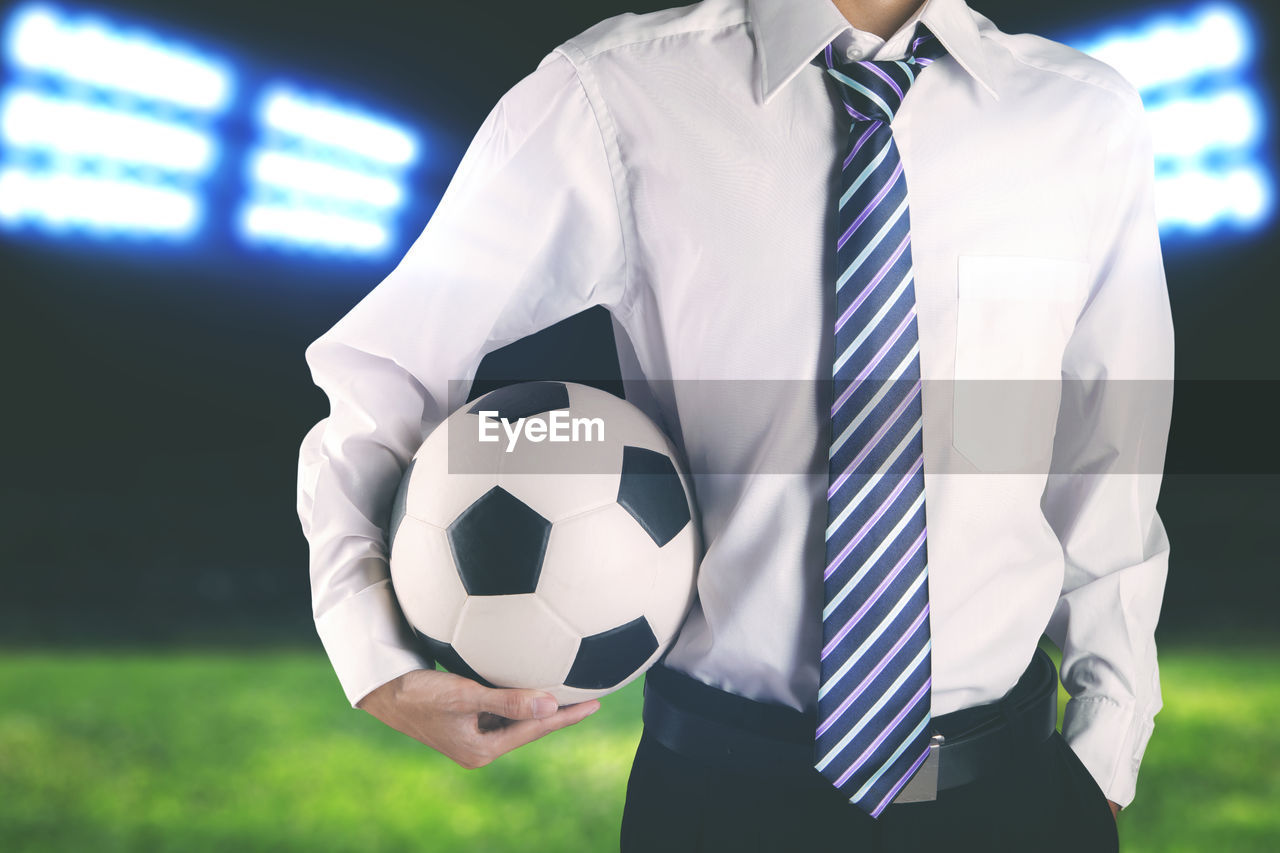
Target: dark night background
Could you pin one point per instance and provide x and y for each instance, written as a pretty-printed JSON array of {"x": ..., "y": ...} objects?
[{"x": 155, "y": 397}]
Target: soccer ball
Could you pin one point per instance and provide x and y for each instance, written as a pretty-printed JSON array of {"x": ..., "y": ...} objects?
[{"x": 542, "y": 536}]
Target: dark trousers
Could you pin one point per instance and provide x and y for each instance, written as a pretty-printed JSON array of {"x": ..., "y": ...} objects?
[{"x": 1044, "y": 801}]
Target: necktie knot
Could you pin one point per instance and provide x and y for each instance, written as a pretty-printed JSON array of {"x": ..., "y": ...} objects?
[{"x": 873, "y": 90}]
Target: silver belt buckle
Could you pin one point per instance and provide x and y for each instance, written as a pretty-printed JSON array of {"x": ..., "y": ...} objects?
[{"x": 923, "y": 786}]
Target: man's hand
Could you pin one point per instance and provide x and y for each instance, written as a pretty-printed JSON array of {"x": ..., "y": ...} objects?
[
  {"x": 470, "y": 723},
  {"x": 1115, "y": 809}
]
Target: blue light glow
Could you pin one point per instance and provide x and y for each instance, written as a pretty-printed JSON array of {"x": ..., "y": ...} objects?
[
  {"x": 1187, "y": 128},
  {"x": 109, "y": 129},
  {"x": 1198, "y": 199},
  {"x": 312, "y": 229},
  {"x": 31, "y": 121},
  {"x": 326, "y": 177},
  {"x": 1213, "y": 39},
  {"x": 106, "y": 206},
  {"x": 308, "y": 176},
  {"x": 317, "y": 119},
  {"x": 87, "y": 50},
  {"x": 1206, "y": 116},
  {"x": 105, "y": 131}
]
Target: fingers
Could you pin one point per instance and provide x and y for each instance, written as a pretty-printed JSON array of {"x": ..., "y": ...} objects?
[
  {"x": 520, "y": 732},
  {"x": 515, "y": 704},
  {"x": 466, "y": 721}
]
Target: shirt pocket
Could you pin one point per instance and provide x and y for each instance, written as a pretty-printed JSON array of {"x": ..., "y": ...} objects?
[{"x": 1014, "y": 316}]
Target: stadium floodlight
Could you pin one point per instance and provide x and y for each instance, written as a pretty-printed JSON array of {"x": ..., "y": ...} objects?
[
  {"x": 1206, "y": 118},
  {"x": 59, "y": 200},
  {"x": 103, "y": 127},
  {"x": 1212, "y": 40},
  {"x": 89, "y": 51},
  {"x": 319, "y": 178},
  {"x": 318, "y": 120},
  {"x": 1197, "y": 199},
  {"x": 31, "y": 121},
  {"x": 313, "y": 229},
  {"x": 326, "y": 176}
]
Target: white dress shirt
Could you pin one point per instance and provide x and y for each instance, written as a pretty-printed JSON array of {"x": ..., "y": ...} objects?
[{"x": 677, "y": 168}]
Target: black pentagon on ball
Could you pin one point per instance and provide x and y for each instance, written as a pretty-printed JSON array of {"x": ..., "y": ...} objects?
[
  {"x": 523, "y": 400},
  {"x": 397, "y": 506},
  {"x": 650, "y": 490},
  {"x": 444, "y": 654},
  {"x": 605, "y": 659},
  {"x": 498, "y": 543}
]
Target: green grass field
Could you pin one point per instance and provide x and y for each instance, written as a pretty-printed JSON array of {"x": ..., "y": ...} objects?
[{"x": 195, "y": 751}]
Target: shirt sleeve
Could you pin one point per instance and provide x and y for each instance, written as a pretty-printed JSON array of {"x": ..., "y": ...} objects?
[
  {"x": 526, "y": 234},
  {"x": 1109, "y": 448}
]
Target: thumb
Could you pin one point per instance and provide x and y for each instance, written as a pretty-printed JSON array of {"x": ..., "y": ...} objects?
[{"x": 516, "y": 703}]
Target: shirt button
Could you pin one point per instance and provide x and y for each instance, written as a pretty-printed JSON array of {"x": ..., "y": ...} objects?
[{"x": 853, "y": 53}]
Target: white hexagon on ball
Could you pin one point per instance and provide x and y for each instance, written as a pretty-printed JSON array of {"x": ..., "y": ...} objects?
[
  {"x": 675, "y": 581},
  {"x": 468, "y": 467},
  {"x": 430, "y": 599},
  {"x": 515, "y": 641},
  {"x": 619, "y": 560}
]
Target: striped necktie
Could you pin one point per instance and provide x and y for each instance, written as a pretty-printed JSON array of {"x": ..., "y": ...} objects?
[{"x": 875, "y": 674}]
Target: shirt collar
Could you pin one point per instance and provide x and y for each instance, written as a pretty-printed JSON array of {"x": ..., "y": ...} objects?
[{"x": 789, "y": 33}]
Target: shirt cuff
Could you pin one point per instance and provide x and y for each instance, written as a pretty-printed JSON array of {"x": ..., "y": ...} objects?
[
  {"x": 368, "y": 641},
  {"x": 1110, "y": 740}
]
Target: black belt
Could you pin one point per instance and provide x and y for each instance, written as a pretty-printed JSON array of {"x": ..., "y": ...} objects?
[{"x": 730, "y": 731}]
